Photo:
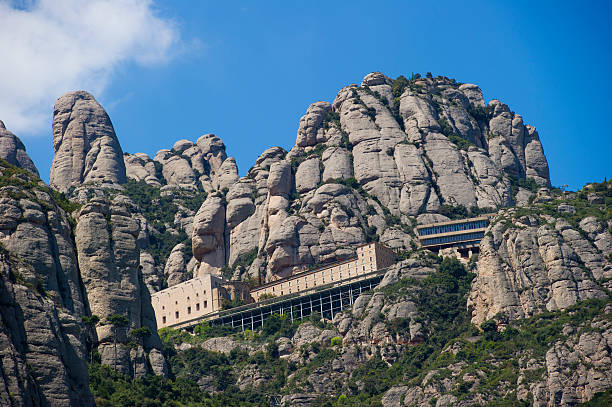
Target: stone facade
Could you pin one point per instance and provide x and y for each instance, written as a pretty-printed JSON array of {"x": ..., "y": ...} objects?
[
  {"x": 370, "y": 257},
  {"x": 192, "y": 299},
  {"x": 184, "y": 303}
]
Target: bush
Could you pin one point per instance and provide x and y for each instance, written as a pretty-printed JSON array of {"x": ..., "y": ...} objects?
[{"x": 336, "y": 341}]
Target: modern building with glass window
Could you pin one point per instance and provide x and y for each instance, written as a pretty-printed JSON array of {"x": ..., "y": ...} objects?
[{"x": 463, "y": 235}]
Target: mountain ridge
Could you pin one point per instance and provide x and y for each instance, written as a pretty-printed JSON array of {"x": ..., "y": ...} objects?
[{"x": 383, "y": 157}]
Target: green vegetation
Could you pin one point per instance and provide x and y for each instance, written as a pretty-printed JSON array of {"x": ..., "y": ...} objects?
[
  {"x": 160, "y": 211},
  {"x": 481, "y": 114},
  {"x": 602, "y": 399},
  {"x": 440, "y": 299},
  {"x": 244, "y": 261},
  {"x": 527, "y": 183},
  {"x": 461, "y": 212},
  {"x": 448, "y": 131},
  {"x": 111, "y": 389},
  {"x": 579, "y": 200}
]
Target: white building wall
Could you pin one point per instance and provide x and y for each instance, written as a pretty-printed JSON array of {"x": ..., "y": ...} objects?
[
  {"x": 370, "y": 257},
  {"x": 200, "y": 296},
  {"x": 186, "y": 301}
]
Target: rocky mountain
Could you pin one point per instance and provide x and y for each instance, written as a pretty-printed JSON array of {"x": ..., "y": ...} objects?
[
  {"x": 44, "y": 352},
  {"x": 13, "y": 151},
  {"x": 526, "y": 322},
  {"x": 362, "y": 167}
]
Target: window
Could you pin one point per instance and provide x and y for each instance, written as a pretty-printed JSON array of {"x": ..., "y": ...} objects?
[
  {"x": 205, "y": 303},
  {"x": 188, "y": 310},
  {"x": 163, "y": 320},
  {"x": 163, "y": 307},
  {"x": 176, "y": 314},
  {"x": 197, "y": 307},
  {"x": 197, "y": 294}
]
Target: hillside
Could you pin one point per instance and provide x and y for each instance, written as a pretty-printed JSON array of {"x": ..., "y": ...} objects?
[{"x": 528, "y": 320}]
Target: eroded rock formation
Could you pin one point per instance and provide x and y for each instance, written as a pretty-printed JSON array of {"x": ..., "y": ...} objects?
[{"x": 86, "y": 147}]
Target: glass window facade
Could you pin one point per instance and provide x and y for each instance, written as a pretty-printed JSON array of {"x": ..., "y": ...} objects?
[
  {"x": 457, "y": 227},
  {"x": 466, "y": 237}
]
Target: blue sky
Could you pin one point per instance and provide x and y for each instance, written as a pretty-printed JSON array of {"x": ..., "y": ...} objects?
[{"x": 248, "y": 70}]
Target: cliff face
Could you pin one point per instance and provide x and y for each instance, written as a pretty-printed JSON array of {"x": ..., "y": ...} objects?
[
  {"x": 56, "y": 273},
  {"x": 379, "y": 153},
  {"x": 109, "y": 258},
  {"x": 543, "y": 258},
  {"x": 44, "y": 354}
]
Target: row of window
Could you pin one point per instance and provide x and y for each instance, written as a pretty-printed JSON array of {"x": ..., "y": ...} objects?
[
  {"x": 177, "y": 313},
  {"x": 455, "y": 238},
  {"x": 434, "y": 230},
  {"x": 314, "y": 282}
]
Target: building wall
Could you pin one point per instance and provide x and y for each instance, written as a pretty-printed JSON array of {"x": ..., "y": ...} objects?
[
  {"x": 370, "y": 257},
  {"x": 203, "y": 295},
  {"x": 191, "y": 299}
]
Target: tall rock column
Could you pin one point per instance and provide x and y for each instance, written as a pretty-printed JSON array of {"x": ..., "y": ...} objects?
[
  {"x": 86, "y": 147},
  {"x": 106, "y": 237},
  {"x": 42, "y": 340},
  {"x": 208, "y": 238}
]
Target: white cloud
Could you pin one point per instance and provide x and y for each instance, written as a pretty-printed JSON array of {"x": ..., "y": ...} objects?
[{"x": 53, "y": 46}]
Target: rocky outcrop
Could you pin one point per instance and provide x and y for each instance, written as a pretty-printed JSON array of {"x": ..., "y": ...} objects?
[
  {"x": 533, "y": 262},
  {"x": 381, "y": 152},
  {"x": 106, "y": 237},
  {"x": 13, "y": 151},
  {"x": 43, "y": 342},
  {"x": 208, "y": 239},
  {"x": 86, "y": 147},
  {"x": 176, "y": 270},
  {"x": 569, "y": 373},
  {"x": 578, "y": 367},
  {"x": 362, "y": 166},
  {"x": 43, "y": 354},
  {"x": 200, "y": 166}
]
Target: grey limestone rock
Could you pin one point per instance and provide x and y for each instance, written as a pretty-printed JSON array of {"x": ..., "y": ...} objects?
[
  {"x": 310, "y": 131},
  {"x": 176, "y": 266},
  {"x": 86, "y": 147},
  {"x": 208, "y": 238},
  {"x": 43, "y": 342},
  {"x": 13, "y": 151},
  {"x": 106, "y": 238},
  {"x": 531, "y": 267}
]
